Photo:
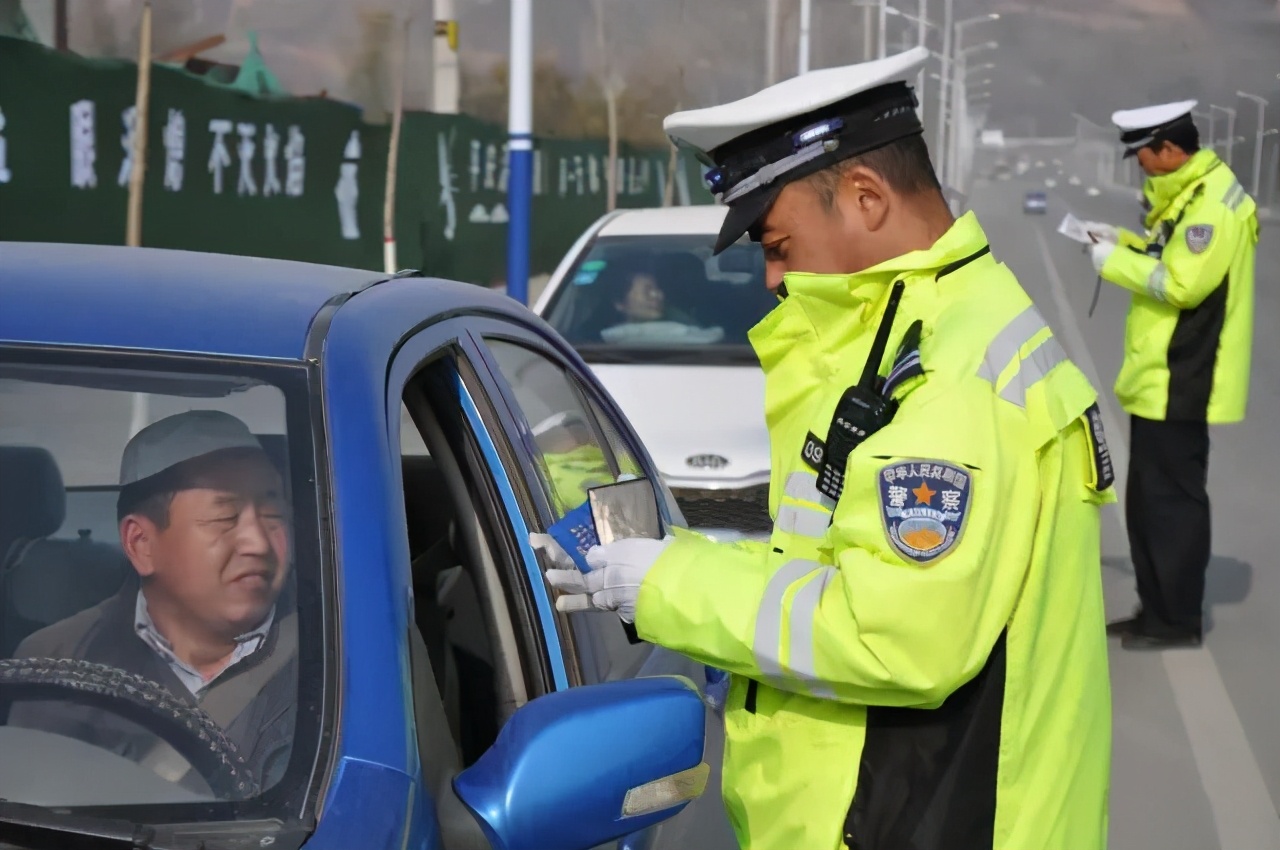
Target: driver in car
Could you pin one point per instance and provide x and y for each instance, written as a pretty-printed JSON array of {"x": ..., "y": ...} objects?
[
  {"x": 638, "y": 296},
  {"x": 204, "y": 523}
]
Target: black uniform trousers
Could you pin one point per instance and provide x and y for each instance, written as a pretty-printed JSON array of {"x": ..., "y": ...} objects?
[{"x": 1167, "y": 511}]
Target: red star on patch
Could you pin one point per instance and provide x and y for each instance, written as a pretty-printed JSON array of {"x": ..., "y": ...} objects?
[{"x": 923, "y": 494}]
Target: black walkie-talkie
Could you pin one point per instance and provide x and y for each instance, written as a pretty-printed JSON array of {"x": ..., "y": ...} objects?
[{"x": 862, "y": 410}]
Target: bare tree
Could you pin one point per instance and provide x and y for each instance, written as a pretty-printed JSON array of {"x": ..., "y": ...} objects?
[{"x": 611, "y": 86}]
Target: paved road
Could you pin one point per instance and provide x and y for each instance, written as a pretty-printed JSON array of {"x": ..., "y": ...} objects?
[{"x": 1197, "y": 733}]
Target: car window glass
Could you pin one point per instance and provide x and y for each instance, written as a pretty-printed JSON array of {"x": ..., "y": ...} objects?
[
  {"x": 628, "y": 463},
  {"x": 107, "y": 475},
  {"x": 570, "y": 456},
  {"x": 448, "y": 610},
  {"x": 411, "y": 443},
  {"x": 635, "y": 294}
]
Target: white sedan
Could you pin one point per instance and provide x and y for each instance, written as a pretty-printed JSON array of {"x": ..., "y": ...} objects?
[{"x": 663, "y": 325}]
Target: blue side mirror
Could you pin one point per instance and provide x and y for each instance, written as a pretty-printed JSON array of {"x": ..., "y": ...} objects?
[{"x": 577, "y": 768}]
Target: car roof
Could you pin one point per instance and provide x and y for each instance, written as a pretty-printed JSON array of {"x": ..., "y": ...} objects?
[
  {"x": 700, "y": 219},
  {"x": 156, "y": 299}
]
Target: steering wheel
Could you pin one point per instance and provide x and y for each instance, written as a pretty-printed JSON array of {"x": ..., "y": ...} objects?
[{"x": 186, "y": 728}]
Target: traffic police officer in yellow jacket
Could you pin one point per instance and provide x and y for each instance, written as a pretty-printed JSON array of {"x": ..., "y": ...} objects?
[
  {"x": 1186, "y": 362},
  {"x": 917, "y": 655}
]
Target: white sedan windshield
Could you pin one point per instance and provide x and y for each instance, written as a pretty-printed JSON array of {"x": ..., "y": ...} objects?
[{"x": 646, "y": 294}]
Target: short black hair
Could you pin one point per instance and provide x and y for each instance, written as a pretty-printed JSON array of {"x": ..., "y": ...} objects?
[
  {"x": 152, "y": 496},
  {"x": 154, "y": 507},
  {"x": 1185, "y": 135},
  {"x": 904, "y": 165}
]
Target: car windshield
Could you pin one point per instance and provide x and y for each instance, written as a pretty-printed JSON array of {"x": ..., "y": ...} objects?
[
  {"x": 152, "y": 557},
  {"x": 662, "y": 299}
]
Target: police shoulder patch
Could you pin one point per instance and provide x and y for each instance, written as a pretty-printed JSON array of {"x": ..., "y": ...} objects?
[
  {"x": 1198, "y": 236},
  {"x": 924, "y": 505}
]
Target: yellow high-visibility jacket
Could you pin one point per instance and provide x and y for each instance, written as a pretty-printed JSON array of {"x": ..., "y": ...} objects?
[
  {"x": 1189, "y": 332},
  {"x": 923, "y": 664}
]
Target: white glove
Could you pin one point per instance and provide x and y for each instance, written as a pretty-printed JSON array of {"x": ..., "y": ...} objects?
[
  {"x": 553, "y": 550},
  {"x": 617, "y": 570},
  {"x": 1099, "y": 252},
  {"x": 1102, "y": 231}
]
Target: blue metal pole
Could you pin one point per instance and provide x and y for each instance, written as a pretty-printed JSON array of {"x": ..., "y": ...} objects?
[{"x": 520, "y": 149}]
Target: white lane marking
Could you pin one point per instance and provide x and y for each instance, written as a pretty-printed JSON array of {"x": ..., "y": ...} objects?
[
  {"x": 1244, "y": 814},
  {"x": 1081, "y": 356},
  {"x": 1243, "y": 811}
]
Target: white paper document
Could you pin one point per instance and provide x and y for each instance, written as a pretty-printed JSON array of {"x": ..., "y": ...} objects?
[{"x": 1075, "y": 229}]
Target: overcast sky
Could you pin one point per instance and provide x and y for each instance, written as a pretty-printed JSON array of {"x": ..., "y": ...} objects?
[{"x": 1055, "y": 57}]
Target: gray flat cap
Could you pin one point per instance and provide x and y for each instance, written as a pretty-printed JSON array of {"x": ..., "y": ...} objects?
[{"x": 179, "y": 438}]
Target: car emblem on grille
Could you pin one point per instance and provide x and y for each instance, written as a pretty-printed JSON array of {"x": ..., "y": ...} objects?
[{"x": 707, "y": 461}]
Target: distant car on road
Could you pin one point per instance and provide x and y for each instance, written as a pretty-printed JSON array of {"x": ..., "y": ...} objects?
[
  {"x": 1035, "y": 203},
  {"x": 663, "y": 325}
]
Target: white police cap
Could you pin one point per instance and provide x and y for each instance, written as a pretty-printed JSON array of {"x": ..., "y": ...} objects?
[
  {"x": 1148, "y": 124},
  {"x": 790, "y": 130}
]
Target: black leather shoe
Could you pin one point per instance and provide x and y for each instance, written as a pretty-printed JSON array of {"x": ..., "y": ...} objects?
[
  {"x": 1138, "y": 640},
  {"x": 1120, "y": 628}
]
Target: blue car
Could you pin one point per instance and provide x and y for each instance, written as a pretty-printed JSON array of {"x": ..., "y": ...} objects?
[{"x": 267, "y": 579}]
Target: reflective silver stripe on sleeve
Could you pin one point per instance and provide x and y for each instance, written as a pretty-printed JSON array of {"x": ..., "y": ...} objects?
[
  {"x": 806, "y": 522},
  {"x": 767, "y": 645},
  {"x": 804, "y": 609},
  {"x": 1155, "y": 283},
  {"x": 1234, "y": 196},
  {"x": 803, "y": 487},
  {"x": 1046, "y": 355},
  {"x": 1007, "y": 343}
]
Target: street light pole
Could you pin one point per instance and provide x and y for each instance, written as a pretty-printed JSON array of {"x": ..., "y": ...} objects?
[
  {"x": 921, "y": 39},
  {"x": 959, "y": 103},
  {"x": 1231, "y": 135},
  {"x": 940, "y": 138},
  {"x": 884, "y": 26},
  {"x": 1209, "y": 116},
  {"x": 771, "y": 42},
  {"x": 1231, "y": 128},
  {"x": 951, "y": 35},
  {"x": 1257, "y": 145},
  {"x": 806, "y": 11},
  {"x": 520, "y": 149}
]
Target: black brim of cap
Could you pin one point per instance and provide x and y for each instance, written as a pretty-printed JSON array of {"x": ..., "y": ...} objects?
[{"x": 745, "y": 214}]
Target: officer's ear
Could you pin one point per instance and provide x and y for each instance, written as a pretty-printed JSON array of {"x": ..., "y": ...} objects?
[{"x": 866, "y": 195}]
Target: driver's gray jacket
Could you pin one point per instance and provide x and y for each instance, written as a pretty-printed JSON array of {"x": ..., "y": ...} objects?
[{"x": 104, "y": 634}]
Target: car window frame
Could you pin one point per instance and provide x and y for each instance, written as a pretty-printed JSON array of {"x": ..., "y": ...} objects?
[
  {"x": 543, "y": 667},
  {"x": 291, "y": 807},
  {"x": 586, "y": 388}
]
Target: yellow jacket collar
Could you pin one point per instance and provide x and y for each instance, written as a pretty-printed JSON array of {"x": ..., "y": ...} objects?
[
  {"x": 962, "y": 239},
  {"x": 829, "y": 311},
  {"x": 1164, "y": 191}
]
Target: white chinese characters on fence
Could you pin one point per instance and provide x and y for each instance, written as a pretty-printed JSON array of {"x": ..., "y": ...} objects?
[
  {"x": 246, "y": 185},
  {"x": 5, "y": 174},
  {"x": 175, "y": 143},
  {"x": 84, "y": 154},
  {"x": 246, "y": 148},
  {"x": 129, "y": 118},
  {"x": 219, "y": 157},
  {"x": 347, "y": 191}
]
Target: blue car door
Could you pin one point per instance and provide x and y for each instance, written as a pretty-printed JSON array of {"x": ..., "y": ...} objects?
[
  {"x": 480, "y": 626},
  {"x": 550, "y": 406}
]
